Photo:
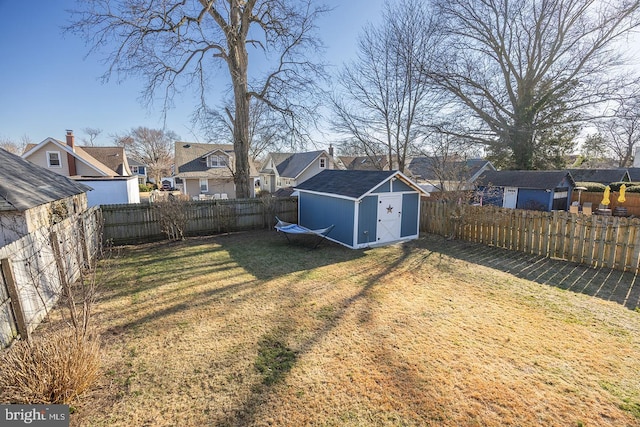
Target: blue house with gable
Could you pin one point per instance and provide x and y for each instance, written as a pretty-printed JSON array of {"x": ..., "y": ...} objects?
[{"x": 367, "y": 208}]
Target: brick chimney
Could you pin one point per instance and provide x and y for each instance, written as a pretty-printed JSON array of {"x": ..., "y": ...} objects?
[
  {"x": 71, "y": 160},
  {"x": 331, "y": 150}
]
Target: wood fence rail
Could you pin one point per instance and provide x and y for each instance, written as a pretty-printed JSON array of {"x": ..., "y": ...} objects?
[
  {"x": 598, "y": 241},
  {"x": 134, "y": 223}
]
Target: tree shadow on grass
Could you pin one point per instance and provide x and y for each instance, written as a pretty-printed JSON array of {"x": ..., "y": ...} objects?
[
  {"x": 605, "y": 283},
  {"x": 267, "y": 254},
  {"x": 284, "y": 358}
]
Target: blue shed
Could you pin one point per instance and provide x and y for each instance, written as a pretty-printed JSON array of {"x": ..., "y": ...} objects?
[
  {"x": 366, "y": 207},
  {"x": 532, "y": 190}
]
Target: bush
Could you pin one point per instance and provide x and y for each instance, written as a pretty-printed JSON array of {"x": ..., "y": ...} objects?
[
  {"x": 633, "y": 189},
  {"x": 145, "y": 188},
  {"x": 55, "y": 368},
  {"x": 591, "y": 187},
  {"x": 615, "y": 186}
]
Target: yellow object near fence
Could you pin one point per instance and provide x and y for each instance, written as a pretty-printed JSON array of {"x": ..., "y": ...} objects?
[
  {"x": 621, "y": 197},
  {"x": 605, "y": 198}
]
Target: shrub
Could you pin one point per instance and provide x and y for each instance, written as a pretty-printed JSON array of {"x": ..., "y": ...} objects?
[
  {"x": 55, "y": 368},
  {"x": 145, "y": 188},
  {"x": 615, "y": 186},
  {"x": 633, "y": 189},
  {"x": 591, "y": 187}
]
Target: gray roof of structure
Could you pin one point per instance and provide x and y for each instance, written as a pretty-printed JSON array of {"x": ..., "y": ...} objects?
[
  {"x": 24, "y": 185},
  {"x": 547, "y": 180},
  {"x": 603, "y": 176},
  {"x": 296, "y": 163},
  {"x": 347, "y": 183},
  {"x": 634, "y": 174}
]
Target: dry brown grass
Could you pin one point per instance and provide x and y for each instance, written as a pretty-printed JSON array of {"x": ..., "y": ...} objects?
[
  {"x": 55, "y": 367},
  {"x": 402, "y": 335}
]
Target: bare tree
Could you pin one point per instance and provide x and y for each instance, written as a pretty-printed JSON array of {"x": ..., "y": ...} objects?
[
  {"x": 382, "y": 101},
  {"x": 11, "y": 146},
  {"x": 266, "y": 130},
  {"x": 92, "y": 134},
  {"x": 153, "y": 147},
  {"x": 621, "y": 131},
  {"x": 174, "y": 43},
  {"x": 522, "y": 67}
]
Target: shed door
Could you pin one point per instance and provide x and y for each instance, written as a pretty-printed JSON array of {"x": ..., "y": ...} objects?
[
  {"x": 389, "y": 217},
  {"x": 510, "y": 197}
]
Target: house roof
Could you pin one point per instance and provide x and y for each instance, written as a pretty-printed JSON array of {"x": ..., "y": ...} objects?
[
  {"x": 547, "y": 180},
  {"x": 291, "y": 165},
  {"x": 634, "y": 174},
  {"x": 603, "y": 176},
  {"x": 134, "y": 162},
  {"x": 434, "y": 169},
  {"x": 114, "y": 158},
  {"x": 349, "y": 183},
  {"x": 24, "y": 185},
  {"x": 298, "y": 163},
  {"x": 277, "y": 159},
  {"x": 190, "y": 160},
  {"x": 79, "y": 153}
]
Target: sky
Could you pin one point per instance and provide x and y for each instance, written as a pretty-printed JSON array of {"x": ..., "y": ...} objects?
[{"x": 48, "y": 84}]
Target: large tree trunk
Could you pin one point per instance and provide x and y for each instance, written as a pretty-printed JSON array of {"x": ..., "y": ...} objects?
[
  {"x": 241, "y": 141},
  {"x": 238, "y": 63}
]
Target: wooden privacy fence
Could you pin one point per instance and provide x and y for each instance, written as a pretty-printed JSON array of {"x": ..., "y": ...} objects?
[
  {"x": 133, "y": 223},
  {"x": 35, "y": 268},
  {"x": 631, "y": 204},
  {"x": 599, "y": 241}
]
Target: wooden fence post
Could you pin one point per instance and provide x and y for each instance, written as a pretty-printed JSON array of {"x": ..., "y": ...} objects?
[{"x": 12, "y": 288}]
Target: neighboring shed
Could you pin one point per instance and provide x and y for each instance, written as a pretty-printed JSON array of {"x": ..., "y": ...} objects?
[
  {"x": 602, "y": 176},
  {"x": 532, "y": 190},
  {"x": 366, "y": 207},
  {"x": 32, "y": 197}
]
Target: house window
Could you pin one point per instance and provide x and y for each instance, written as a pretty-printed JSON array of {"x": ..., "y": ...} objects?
[
  {"x": 53, "y": 159},
  {"x": 134, "y": 169},
  {"x": 204, "y": 185},
  {"x": 216, "y": 161},
  {"x": 323, "y": 163}
]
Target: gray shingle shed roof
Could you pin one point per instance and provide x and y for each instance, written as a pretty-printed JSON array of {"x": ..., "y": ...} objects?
[
  {"x": 24, "y": 185},
  {"x": 347, "y": 183},
  {"x": 547, "y": 180}
]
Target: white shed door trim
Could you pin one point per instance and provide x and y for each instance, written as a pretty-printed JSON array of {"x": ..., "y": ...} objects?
[
  {"x": 389, "y": 218},
  {"x": 510, "y": 197}
]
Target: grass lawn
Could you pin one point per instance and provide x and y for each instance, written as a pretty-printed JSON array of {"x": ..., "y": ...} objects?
[{"x": 246, "y": 330}]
